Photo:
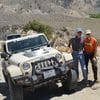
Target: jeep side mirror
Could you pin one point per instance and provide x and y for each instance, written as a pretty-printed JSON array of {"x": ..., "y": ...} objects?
[
  {"x": 48, "y": 44},
  {"x": 3, "y": 55}
]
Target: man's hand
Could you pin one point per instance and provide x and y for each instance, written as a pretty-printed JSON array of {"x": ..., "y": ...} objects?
[{"x": 70, "y": 50}]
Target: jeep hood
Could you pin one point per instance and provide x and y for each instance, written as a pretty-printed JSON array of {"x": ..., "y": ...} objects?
[{"x": 40, "y": 54}]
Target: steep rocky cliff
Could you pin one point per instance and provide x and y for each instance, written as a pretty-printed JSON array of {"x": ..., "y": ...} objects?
[{"x": 21, "y": 11}]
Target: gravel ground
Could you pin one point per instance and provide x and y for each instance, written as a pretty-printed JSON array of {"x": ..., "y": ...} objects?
[{"x": 45, "y": 93}]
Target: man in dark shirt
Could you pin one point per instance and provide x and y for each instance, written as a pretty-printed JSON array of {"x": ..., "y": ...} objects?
[{"x": 76, "y": 46}]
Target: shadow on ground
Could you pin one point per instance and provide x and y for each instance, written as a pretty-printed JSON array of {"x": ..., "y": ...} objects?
[{"x": 45, "y": 93}]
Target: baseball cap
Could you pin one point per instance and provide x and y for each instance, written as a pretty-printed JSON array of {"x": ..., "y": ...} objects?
[
  {"x": 79, "y": 30},
  {"x": 88, "y": 31}
]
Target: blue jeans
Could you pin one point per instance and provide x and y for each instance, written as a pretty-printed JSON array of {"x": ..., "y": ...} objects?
[{"x": 79, "y": 56}]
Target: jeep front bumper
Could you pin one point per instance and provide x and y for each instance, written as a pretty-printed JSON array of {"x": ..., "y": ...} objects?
[{"x": 47, "y": 76}]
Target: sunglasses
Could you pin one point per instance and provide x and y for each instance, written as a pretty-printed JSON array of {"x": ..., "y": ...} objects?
[{"x": 79, "y": 33}]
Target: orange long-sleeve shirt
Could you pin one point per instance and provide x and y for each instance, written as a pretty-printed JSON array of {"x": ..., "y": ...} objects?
[{"x": 90, "y": 44}]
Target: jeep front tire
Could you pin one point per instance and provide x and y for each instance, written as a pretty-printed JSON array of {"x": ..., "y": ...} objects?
[
  {"x": 16, "y": 92},
  {"x": 71, "y": 82}
]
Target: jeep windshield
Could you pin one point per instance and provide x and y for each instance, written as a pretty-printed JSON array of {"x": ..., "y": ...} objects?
[{"x": 27, "y": 43}]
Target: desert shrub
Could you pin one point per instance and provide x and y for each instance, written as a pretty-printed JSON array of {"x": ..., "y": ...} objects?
[
  {"x": 39, "y": 27},
  {"x": 95, "y": 15}
]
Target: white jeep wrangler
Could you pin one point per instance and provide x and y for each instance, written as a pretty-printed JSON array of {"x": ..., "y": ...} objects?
[{"x": 30, "y": 62}]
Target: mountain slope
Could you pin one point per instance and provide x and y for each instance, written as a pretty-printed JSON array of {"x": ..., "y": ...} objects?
[{"x": 21, "y": 11}]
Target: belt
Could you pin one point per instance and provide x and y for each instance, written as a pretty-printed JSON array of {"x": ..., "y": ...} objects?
[
  {"x": 77, "y": 50},
  {"x": 89, "y": 52}
]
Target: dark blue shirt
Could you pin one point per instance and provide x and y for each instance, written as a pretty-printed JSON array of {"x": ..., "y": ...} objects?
[{"x": 76, "y": 43}]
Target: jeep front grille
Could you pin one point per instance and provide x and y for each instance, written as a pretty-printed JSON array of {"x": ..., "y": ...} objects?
[{"x": 45, "y": 64}]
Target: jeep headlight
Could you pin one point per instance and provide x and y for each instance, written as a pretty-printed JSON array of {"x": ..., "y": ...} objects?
[
  {"x": 26, "y": 66},
  {"x": 58, "y": 56}
]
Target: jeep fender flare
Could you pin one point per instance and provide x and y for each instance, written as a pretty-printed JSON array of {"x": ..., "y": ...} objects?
[{"x": 14, "y": 71}]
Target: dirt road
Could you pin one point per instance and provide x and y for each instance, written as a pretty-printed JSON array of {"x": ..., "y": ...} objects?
[{"x": 45, "y": 93}]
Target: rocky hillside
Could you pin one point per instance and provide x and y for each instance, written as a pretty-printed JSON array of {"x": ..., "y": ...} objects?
[
  {"x": 49, "y": 6},
  {"x": 18, "y": 12}
]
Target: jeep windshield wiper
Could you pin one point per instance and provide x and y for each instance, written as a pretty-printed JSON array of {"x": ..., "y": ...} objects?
[
  {"x": 35, "y": 48},
  {"x": 39, "y": 46}
]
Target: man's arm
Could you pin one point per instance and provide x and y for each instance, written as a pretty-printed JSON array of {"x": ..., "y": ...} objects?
[
  {"x": 70, "y": 46},
  {"x": 70, "y": 42},
  {"x": 95, "y": 47}
]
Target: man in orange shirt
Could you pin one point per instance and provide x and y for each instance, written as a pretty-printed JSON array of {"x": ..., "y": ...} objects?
[{"x": 90, "y": 48}]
